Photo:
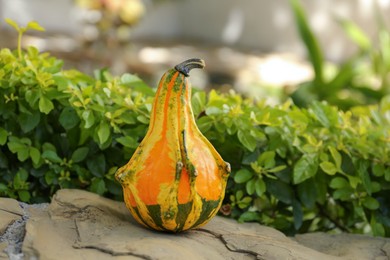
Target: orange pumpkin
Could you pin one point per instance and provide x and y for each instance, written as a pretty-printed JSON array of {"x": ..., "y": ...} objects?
[{"x": 175, "y": 180}]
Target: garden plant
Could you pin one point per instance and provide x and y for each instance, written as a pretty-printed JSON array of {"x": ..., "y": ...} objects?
[{"x": 298, "y": 169}]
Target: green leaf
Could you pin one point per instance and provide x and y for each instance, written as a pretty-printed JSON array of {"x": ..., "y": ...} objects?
[
  {"x": 127, "y": 141},
  {"x": 69, "y": 118},
  {"x": 329, "y": 168},
  {"x": 15, "y": 145},
  {"x": 89, "y": 118},
  {"x": 298, "y": 214},
  {"x": 80, "y": 154},
  {"x": 336, "y": 157},
  {"x": 23, "y": 154},
  {"x": 98, "y": 186},
  {"x": 205, "y": 123},
  {"x": 24, "y": 195},
  {"x": 305, "y": 168},
  {"x": 362, "y": 169},
  {"x": 143, "y": 119},
  {"x": 247, "y": 139},
  {"x": 103, "y": 132},
  {"x": 281, "y": 190},
  {"x": 32, "y": 97},
  {"x": 35, "y": 155},
  {"x": 29, "y": 121},
  {"x": 356, "y": 34},
  {"x": 377, "y": 228},
  {"x": 35, "y": 26},
  {"x": 51, "y": 156},
  {"x": 260, "y": 187},
  {"x": 22, "y": 175},
  {"x": 307, "y": 192},
  {"x": 250, "y": 216},
  {"x": 250, "y": 186},
  {"x": 3, "y": 188},
  {"x": 50, "y": 176},
  {"x": 242, "y": 176},
  {"x": 344, "y": 194},
  {"x": 97, "y": 165},
  {"x": 277, "y": 168},
  {"x": 12, "y": 23},
  {"x": 338, "y": 183},
  {"x": 3, "y": 136},
  {"x": 198, "y": 102},
  {"x": 311, "y": 43},
  {"x": 387, "y": 174},
  {"x": 267, "y": 159},
  {"x": 378, "y": 170},
  {"x": 371, "y": 203},
  {"x": 45, "y": 105}
]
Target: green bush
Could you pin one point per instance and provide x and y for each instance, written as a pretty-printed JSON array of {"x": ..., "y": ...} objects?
[
  {"x": 299, "y": 170},
  {"x": 362, "y": 79}
]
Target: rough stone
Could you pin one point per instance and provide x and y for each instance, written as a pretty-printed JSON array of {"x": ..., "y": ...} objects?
[
  {"x": 348, "y": 246},
  {"x": 81, "y": 225},
  {"x": 10, "y": 211}
]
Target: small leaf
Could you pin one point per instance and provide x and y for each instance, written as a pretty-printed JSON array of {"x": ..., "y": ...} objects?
[
  {"x": 89, "y": 118},
  {"x": 35, "y": 26},
  {"x": 143, "y": 119},
  {"x": 371, "y": 203},
  {"x": 281, "y": 190},
  {"x": 45, "y": 105},
  {"x": 35, "y": 155},
  {"x": 267, "y": 159},
  {"x": 3, "y": 136},
  {"x": 103, "y": 132},
  {"x": 51, "y": 156},
  {"x": 69, "y": 118},
  {"x": 12, "y": 23},
  {"x": 356, "y": 34},
  {"x": 328, "y": 167},
  {"x": 198, "y": 102},
  {"x": 307, "y": 192},
  {"x": 24, "y": 195},
  {"x": 242, "y": 176},
  {"x": 97, "y": 165},
  {"x": 29, "y": 122},
  {"x": 246, "y": 139},
  {"x": 378, "y": 170},
  {"x": 23, "y": 154},
  {"x": 98, "y": 186},
  {"x": 80, "y": 154},
  {"x": 3, "y": 188},
  {"x": 338, "y": 183},
  {"x": 250, "y": 186},
  {"x": 50, "y": 177},
  {"x": 260, "y": 187},
  {"x": 304, "y": 169},
  {"x": 277, "y": 168},
  {"x": 127, "y": 141},
  {"x": 298, "y": 214},
  {"x": 336, "y": 157}
]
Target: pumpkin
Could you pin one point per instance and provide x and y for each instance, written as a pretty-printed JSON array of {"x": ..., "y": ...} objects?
[{"x": 175, "y": 179}]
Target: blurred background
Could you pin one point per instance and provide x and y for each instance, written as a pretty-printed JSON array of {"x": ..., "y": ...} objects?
[{"x": 252, "y": 46}]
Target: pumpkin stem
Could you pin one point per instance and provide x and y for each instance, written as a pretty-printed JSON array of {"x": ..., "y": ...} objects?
[{"x": 190, "y": 64}]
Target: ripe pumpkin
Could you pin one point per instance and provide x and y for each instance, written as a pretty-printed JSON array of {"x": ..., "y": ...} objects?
[{"x": 175, "y": 179}]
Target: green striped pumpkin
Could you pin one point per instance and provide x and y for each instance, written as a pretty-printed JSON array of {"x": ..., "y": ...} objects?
[{"x": 175, "y": 180}]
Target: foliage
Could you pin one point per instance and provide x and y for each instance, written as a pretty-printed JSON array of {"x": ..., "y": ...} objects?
[
  {"x": 296, "y": 169},
  {"x": 362, "y": 79}
]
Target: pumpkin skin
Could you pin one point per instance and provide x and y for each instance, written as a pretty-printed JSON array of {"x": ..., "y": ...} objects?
[{"x": 175, "y": 179}]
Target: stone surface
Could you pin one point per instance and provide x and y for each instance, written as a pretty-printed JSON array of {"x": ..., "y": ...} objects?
[
  {"x": 10, "y": 211},
  {"x": 82, "y": 225}
]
